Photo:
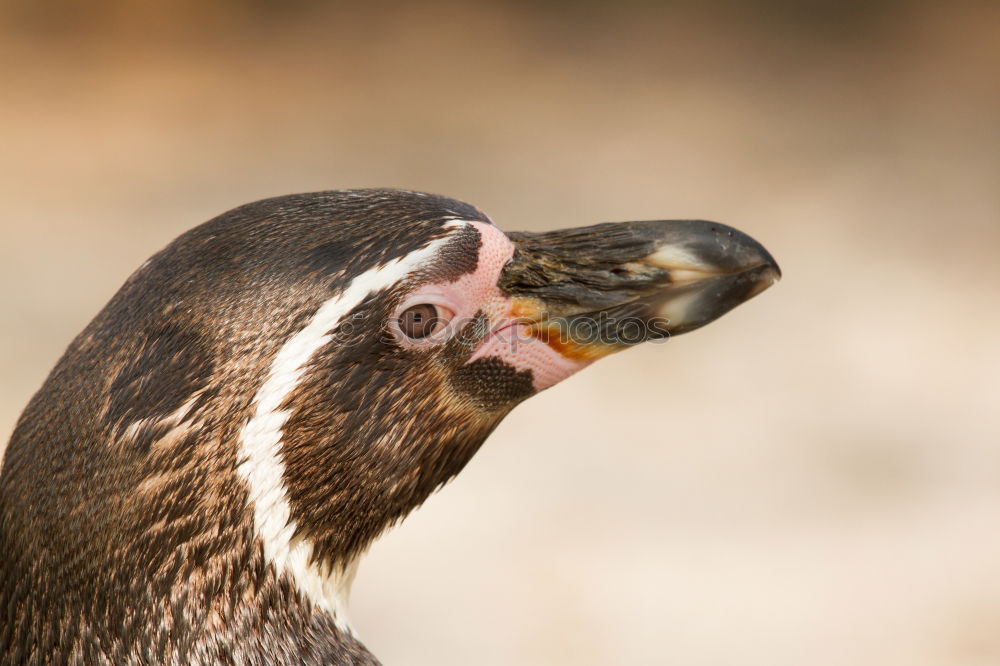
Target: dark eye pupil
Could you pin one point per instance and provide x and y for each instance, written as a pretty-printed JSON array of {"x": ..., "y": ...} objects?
[{"x": 419, "y": 321}]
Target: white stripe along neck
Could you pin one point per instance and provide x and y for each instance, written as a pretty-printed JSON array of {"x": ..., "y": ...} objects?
[{"x": 261, "y": 463}]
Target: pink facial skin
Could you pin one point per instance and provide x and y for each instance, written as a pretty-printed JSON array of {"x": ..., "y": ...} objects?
[{"x": 509, "y": 338}]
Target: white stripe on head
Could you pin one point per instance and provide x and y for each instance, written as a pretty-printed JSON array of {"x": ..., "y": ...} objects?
[{"x": 260, "y": 440}]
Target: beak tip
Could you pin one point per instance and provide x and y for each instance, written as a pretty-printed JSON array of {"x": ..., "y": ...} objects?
[{"x": 768, "y": 277}]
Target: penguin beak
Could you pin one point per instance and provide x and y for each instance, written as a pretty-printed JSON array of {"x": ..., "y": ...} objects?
[{"x": 590, "y": 291}]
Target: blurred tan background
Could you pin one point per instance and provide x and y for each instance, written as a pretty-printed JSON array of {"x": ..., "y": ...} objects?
[{"x": 814, "y": 479}]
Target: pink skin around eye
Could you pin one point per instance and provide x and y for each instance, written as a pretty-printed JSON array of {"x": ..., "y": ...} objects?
[{"x": 507, "y": 340}]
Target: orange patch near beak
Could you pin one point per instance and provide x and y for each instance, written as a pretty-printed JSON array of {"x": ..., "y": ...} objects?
[{"x": 555, "y": 334}]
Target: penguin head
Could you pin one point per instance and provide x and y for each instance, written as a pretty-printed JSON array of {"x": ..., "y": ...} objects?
[
  {"x": 401, "y": 327},
  {"x": 314, "y": 366}
]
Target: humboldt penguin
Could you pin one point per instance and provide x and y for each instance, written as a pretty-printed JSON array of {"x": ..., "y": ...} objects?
[{"x": 197, "y": 478}]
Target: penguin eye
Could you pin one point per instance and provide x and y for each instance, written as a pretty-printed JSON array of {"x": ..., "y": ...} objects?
[{"x": 420, "y": 321}]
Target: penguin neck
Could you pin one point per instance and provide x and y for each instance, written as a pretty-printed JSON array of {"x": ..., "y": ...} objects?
[{"x": 318, "y": 505}]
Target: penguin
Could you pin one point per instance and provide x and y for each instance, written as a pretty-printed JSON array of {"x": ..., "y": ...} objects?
[{"x": 201, "y": 472}]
